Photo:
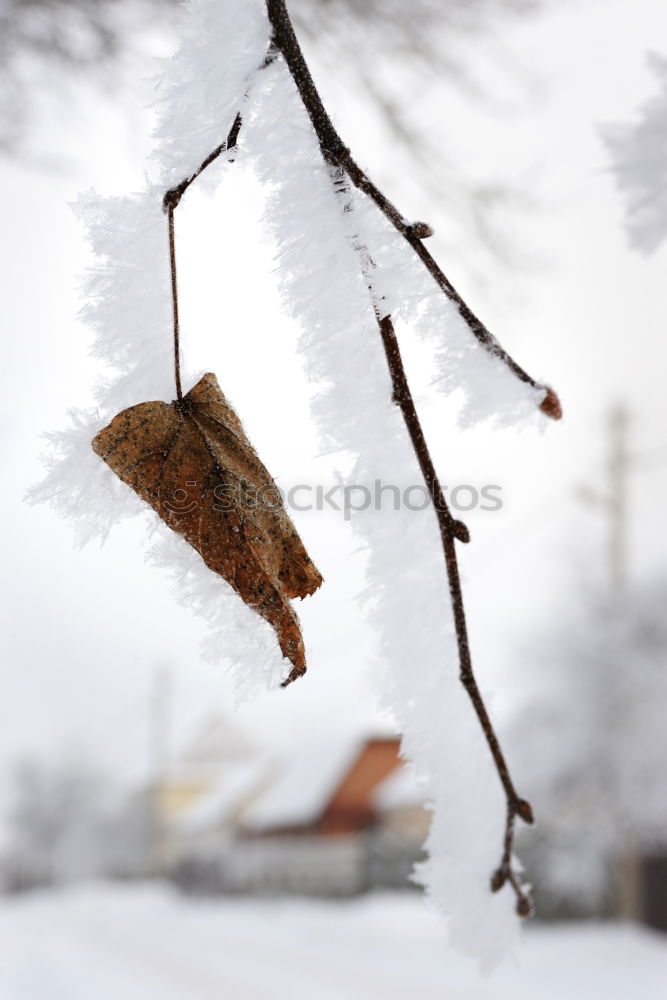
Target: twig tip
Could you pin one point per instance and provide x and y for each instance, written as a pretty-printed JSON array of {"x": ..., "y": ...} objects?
[
  {"x": 498, "y": 880},
  {"x": 525, "y": 811},
  {"x": 524, "y": 906},
  {"x": 550, "y": 405}
]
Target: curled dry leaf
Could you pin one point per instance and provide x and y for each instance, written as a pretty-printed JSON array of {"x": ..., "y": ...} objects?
[{"x": 192, "y": 462}]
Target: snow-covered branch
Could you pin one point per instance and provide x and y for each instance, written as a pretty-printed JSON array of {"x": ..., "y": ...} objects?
[
  {"x": 341, "y": 167},
  {"x": 241, "y": 70}
]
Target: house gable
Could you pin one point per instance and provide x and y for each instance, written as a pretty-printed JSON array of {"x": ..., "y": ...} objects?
[{"x": 351, "y": 807}]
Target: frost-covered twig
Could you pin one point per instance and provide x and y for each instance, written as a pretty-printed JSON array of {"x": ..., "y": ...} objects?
[
  {"x": 171, "y": 201},
  {"x": 337, "y": 153},
  {"x": 450, "y": 530},
  {"x": 342, "y": 167},
  {"x": 338, "y": 156},
  {"x": 174, "y": 194}
]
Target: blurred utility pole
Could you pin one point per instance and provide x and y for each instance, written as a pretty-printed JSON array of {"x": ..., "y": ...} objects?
[
  {"x": 613, "y": 500},
  {"x": 160, "y": 722},
  {"x": 618, "y": 496},
  {"x": 629, "y": 899}
]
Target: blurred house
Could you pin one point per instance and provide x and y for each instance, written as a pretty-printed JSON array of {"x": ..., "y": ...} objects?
[
  {"x": 326, "y": 793},
  {"x": 337, "y": 821}
]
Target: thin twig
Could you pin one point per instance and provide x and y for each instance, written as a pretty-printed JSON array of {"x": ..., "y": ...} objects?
[
  {"x": 173, "y": 195},
  {"x": 451, "y": 530},
  {"x": 337, "y": 153},
  {"x": 170, "y": 203}
]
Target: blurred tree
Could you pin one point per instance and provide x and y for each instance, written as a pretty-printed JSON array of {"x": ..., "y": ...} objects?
[
  {"x": 593, "y": 743},
  {"x": 389, "y": 53},
  {"x": 400, "y": 60},
  {"x": 53, "y": 823},
  {"x": 55, "y": 45},
  {"x": 64, "y": 822},
  {"x": 639, "y": 162}
]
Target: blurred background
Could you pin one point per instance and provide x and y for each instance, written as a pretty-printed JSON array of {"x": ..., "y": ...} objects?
[{"x": 157, "y": 837}]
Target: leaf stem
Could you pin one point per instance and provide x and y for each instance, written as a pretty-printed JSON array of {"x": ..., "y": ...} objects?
[
  {"x": 174, "y": 302},
  {"x": 170, "y": 203}
]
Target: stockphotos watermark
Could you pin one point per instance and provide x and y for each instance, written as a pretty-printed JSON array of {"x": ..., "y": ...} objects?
[{"x": 345, "y": 498}]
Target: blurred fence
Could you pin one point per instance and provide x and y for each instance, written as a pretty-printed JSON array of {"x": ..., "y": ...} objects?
[{"x": 317, "y": 866}]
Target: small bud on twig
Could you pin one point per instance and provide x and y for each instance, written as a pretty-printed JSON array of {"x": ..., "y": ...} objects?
[
  {"x": 525, "y": 811},
  {"x": 498, "y": 880},
  {"x": 460, "y": 531},
  {"x": 420, "y": 230},
  {"x": 550, "y": 405},
  {"x": 524, "y": 907}
]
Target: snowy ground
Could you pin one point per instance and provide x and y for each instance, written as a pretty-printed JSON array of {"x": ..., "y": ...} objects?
[{"x": 116, "y": 943}]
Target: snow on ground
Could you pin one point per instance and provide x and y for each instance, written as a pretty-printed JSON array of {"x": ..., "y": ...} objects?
[{"x": 147, "y": 943}]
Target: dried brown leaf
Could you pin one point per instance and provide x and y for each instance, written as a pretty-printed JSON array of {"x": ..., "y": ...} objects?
[{"x": 192, "y": 462}]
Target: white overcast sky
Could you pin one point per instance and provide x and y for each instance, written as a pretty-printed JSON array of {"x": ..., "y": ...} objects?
[{"x": 84, "y": 632}]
